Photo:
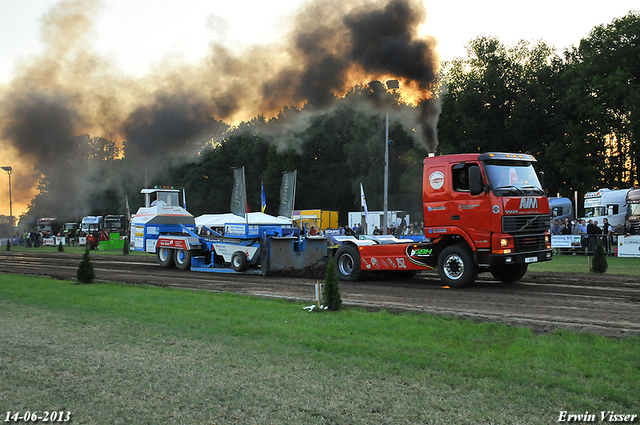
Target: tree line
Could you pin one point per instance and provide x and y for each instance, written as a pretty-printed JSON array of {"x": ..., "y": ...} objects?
[{"x": 578, "y": 113}]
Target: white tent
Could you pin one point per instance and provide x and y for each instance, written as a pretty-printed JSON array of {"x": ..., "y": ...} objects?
[{"x": 219, "y": 220}]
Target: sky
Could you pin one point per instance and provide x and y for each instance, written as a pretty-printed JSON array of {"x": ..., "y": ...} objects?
[
  {"x": 138, "y": 38},
  {"x": 138, "y": 33}
]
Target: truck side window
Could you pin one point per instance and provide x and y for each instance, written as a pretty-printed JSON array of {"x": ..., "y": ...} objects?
[{"x": 460, "y": 180}]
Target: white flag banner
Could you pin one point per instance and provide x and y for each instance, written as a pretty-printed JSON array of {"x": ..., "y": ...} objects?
[{"x": 363, "y": 203}]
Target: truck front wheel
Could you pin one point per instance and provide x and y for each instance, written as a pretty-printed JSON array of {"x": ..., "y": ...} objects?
[
  {"x": 456, "y": 266},
  {"x": 509, "y": 274},
  {"x": 183, "y": 259},
  {"x": 348, "y": 263},
  {"x": 166, "y": 258}
]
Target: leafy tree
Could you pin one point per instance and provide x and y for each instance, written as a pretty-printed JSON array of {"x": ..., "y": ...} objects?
[{"x": 604, "y": 91}]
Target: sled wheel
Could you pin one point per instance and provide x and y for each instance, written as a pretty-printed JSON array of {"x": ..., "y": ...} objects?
[
  {"x": 166, "y": 258},
  {"x": 239, "y": 261},
  {"x": 183, "y": 259}
]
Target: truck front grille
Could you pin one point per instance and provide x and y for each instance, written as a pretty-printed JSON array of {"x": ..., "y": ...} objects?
[
  {"x": 529, "y": 243},
  {"x": 516, "y": 224}
]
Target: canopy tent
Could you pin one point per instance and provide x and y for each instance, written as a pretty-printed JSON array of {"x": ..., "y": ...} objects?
[{"x": 219, "y": 220}]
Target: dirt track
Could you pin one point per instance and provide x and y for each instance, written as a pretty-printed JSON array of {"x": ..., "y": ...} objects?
[{"x": 606, "y": 305}]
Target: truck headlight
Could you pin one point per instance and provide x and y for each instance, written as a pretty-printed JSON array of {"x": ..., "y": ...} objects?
[{"x": 504, "y": 242}]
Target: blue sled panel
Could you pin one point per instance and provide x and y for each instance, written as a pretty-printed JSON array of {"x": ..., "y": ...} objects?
[{"x": 198, "y": 265}]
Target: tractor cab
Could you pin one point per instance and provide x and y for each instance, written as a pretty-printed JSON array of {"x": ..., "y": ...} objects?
[{"x": 161, "y": 195}]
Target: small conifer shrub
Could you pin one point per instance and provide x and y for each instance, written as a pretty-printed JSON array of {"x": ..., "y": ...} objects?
[
  {"x": 125, "y": 248},
  {"x": 60, "y": 247},
  {"x": 86, "y": 274},
  {"x": 599, "y": 262},
  {"x": 331, "y": 294}
]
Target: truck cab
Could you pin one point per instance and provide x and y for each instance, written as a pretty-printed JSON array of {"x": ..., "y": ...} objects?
[
  {"x": 482, "y": 212},
  {"x": 633, "y": 210},
  {"x": 492, "y": 206}
]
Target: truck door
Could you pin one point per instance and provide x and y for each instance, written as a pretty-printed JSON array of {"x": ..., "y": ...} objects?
[{"x": 470, "y": 212}]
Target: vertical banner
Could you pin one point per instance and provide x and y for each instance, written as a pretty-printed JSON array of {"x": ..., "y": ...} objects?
[
  {"x": 239, "y": 194},
  {"x": 127, "y": 210},
  {"x": 263, "y": 197},
  {"x": 287, "y": 194},
  {"x": 184, "y": 199},
  {"x": 363, "y": 203}
]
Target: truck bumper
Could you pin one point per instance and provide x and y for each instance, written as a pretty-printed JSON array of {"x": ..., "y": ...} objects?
[{"x": 497, "y": 260}]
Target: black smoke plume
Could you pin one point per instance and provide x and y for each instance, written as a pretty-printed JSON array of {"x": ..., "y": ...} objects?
[{"x": 171, "y": 113}]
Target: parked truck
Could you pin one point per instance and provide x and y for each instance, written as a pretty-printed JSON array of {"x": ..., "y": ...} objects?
[
  {"x": 115, "y": 224},
  {"x": 48, "y": 226},
  {"x": 561, "y": 208},
  {"x": 482, "y": 213},
  {"x": 606, "y": 203},
  {"x": 633, "y": 210},
  {"x": 256, "y": 243}
]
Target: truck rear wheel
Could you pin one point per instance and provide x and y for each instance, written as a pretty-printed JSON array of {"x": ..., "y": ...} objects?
[
  {"x": 509, "y": 273},
  {"x": 348, "y": 263},
  {"x": 456, "y": 267},
  {"x": 183, "y": 259},
  {"x": 166, "y": 258},
  {"x": 239, "y": 261}
]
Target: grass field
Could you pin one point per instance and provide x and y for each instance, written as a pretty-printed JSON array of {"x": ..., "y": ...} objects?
[
  {"x": 580, "y": 264},
  {"x": 127, "y": 354}
]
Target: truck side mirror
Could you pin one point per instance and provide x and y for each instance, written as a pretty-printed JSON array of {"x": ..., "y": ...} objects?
[
  {"x": 475, "y": 180},
  {"x": 541, "y": 178}
]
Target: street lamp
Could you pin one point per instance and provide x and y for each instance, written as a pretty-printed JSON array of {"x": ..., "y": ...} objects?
[
  {"x": 392, "y": 85},
  {"x": 9, "y": 170}
]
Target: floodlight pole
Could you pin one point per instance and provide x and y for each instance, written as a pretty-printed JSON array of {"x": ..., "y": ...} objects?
[
  {"x": 391, "y": 85},
  {"x": 386, "y": 176},
  {"x": 9, "y": 170}
]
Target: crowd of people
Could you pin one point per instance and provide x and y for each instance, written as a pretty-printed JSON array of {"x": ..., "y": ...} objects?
[
  {"x": 402, "y": 229},
  {"x": 590, "y": 231}
]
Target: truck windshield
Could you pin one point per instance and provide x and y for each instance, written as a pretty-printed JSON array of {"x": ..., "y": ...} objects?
[
  {"x": 633, "y": 209},
  {"x": 595, "y": 212},
  {"x": 513, "y": 177}
]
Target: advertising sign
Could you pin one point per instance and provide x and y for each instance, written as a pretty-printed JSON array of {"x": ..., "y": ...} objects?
[
  {"x": 629, "y": 246},
  {"x": 565, "y": 241}
]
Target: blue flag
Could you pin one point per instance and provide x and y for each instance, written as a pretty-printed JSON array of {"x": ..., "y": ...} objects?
[{"x": 264, "y": 199}]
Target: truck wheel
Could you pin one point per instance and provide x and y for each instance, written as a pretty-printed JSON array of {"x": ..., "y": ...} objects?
[
  {"x": 348, "y": 263},
  {"x": 166, "y": 258},
  {"x": 509, "y": 274},
  {"x": 239, "y": 261},
  {"x": 183, "y": 259},
  {"x": 456, "y": 267}
]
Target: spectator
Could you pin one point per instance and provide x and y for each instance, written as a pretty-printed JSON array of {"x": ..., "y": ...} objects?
[
  {"x": 556, "y": 229},
  {"x": 592, "y": 233},
  {"x": 377, "y": 231},
  {"x": 606, "y": 235},
  {"x": 629, "y": 229}
]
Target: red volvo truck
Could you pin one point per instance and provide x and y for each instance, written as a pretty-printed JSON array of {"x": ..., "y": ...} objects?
[{"x": 482, "y": 213}]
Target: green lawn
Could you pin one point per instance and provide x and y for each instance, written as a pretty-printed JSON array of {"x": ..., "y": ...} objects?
[
  {"x": 580, "y": 264},
  {"x": 72, "y": 250},
  {"x": 128, "y": 354}
]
